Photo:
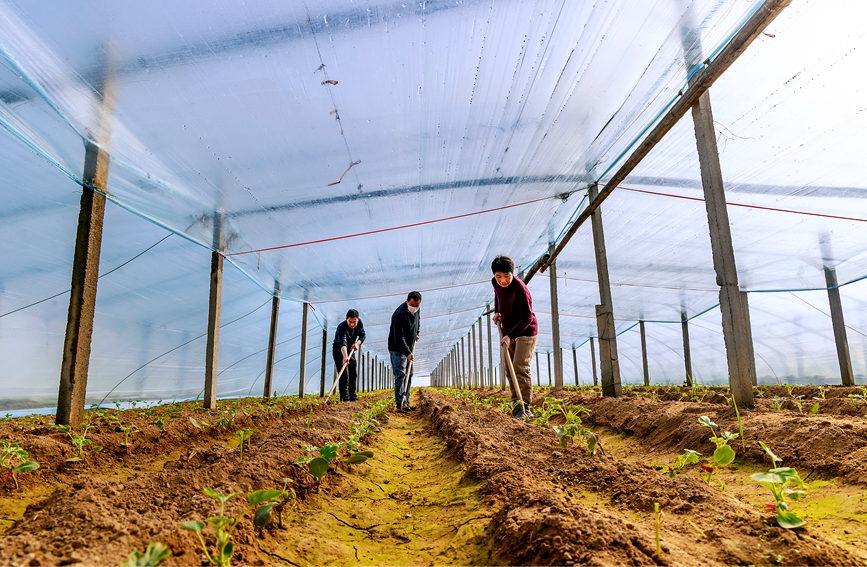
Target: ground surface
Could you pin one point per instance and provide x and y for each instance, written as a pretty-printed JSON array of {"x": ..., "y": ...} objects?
[{"x": 458, "y": 481}]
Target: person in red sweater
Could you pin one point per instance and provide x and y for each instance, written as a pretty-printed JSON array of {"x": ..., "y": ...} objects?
[{"x": 513, "y": 311}]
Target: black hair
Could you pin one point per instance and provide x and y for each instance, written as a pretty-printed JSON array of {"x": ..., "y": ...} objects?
[
  {"x": 503, "y": 264},
  {"x": 352, "y": 314},
  {"x": 414, "y": 295}
]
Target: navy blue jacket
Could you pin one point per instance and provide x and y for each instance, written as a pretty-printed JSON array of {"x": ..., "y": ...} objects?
[
  {"x": 346, "y": 337},
  {"x": 405, "y": 327}
]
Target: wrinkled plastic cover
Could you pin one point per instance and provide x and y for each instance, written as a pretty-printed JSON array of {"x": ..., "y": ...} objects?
[{"x": 347, "y": 152}]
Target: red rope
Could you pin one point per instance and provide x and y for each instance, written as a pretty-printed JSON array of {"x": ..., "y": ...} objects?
[
  {"x": 774, "y": 209},
  {"x": 380, "y": 230}
]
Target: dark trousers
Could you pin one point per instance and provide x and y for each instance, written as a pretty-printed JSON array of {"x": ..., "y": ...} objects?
[{"x": 349, "y": 379}]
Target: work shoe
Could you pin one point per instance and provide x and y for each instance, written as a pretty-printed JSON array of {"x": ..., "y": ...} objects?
[
  {"x": 518, "y": 410},
  {"x": 407, "y": 407}
]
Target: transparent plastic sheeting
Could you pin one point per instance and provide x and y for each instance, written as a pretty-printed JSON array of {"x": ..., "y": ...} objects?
[{"x": 456, "y": 130}]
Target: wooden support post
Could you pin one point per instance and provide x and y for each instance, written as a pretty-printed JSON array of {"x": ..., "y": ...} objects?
[
  {"x": 593, "y": 362},
  {"x": 555, "y": 323},
  {"x": 272, "y": 343},
  {"x": 324, "y": 362},
  {"x": 687, "y": 354},
  {"x": 575, "y": 364},
  {"x": 840, "y": 338},
  {"x": 215, "y": 299},
  {"x": 302, "y": 372},
  {"x": 609, "y": 363},
  {"x": 82, "y": 297},
  {"x": 464, "y": 365},
  {"x": 737, "y": 331},
  {"x": 644, "y": 353},
  {"x": 490, "y": 351}
]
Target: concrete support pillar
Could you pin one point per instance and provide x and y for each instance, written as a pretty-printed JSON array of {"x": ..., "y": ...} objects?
[
  {"x": 463, "y": 364},
  {"x": 490, "y": 351},
  {"x": 324, "y": 362},
  {"x": 734, "y": 307},
  {"x": 687, "y": 354},
  {"x": 840, "y": 338},
  {"x": 82, "y": 297},
  {"x": 644, "y": 353},
  {"x": 555, "y": 323},
  {"x": 215, "y": 299},
  {"x": 367, "y": 381},
  {"x": 538, "y": 372},
  {"x": 610, "y": 365},
  {"x": 272, "y": 343},
  {"x": 482, "y": 381},
  {"x": 474, "y": 355},
  {"x": 593, "y": 362},
  {"x": 302, "y": 372},
  {"x": 575, "y": 364}
]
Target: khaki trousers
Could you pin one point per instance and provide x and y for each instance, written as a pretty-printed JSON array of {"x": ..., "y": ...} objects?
[{"x": 521, "y": 351}]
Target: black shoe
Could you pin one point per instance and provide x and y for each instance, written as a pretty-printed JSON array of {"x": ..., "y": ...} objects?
[
  {"x": 409, "y": 408},
  {"x": 353, "y": 399}
]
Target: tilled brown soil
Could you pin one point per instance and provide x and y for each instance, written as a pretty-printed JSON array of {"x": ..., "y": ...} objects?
[
  {"x": 550, "y": 506},
  {"x": 563, "y": 507},
  {"x": 113, "y": 502}
]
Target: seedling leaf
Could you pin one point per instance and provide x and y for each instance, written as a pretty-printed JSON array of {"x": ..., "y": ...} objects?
[
  {"x": 355, "y": 459},
  {"x": 263, "y": 515},
  {"x": 789, "y": 520},
  {"x": 318, "y": 467},
  {"x": 26, "y": 467},
  {"x": 194, "y": 526},
  {"x": 724, "y": 455},
  {"x": 260, "y": 496}
]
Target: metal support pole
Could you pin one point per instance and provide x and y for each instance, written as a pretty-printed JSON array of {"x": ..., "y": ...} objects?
[
  {"x": 555, "y": 324},
  {"x": 302, "y": 373},
  {"x": 609, "y": 363},
  {"x": 575, "y": 364},
  {"x": 593, "y": 362},
  {"x": 687, "y": 355},
  {"x": 644, "y": 353},
  {"x": 840, "y": 338},
  {"x": 548, "y": 354},
  {"x": 323, "y": 362},
  {"x": 737, "y": 331},
  {"x": 82, "y": 297},
  {"x": 463, "y": 364},
  {"x": 272, "y": 343},
  {"x": 215, "y": 299}
]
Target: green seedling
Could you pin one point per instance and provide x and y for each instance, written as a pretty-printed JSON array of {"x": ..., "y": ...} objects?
[
  {"x": 777, "y": 403},
  {"x": 740, "y": 423},
  {"x": 657, "y": 519},
  {"x": 263, "y": 513},
  {"x": 783, "y": 482},
  {"x": 723, "y": 455},
  {"x": 243, "y": 435},
  {"x": 571, "y": 431},
  {"x": 821, "y": 393},
  {"x": 155, "y": 553},
  {"x": 815, "y": 408},
  {"x": 80, "y": 442},
  {"x": 689, "y": 457},
  {"x": 310, "y": 418},
  {"x": 160, "y": 422},
  {"x": 127, "y": 431},
  {"x": 201, "y": 424},
  {"x": 224, "y": 525},
  {"x": 862, "y": 397},
  {"x": 14, "y": 460}
]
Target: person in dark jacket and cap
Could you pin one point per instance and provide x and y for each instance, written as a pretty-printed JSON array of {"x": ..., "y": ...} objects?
[
  {"x": 348, "y": 337},
  {"x": 402, "y": 336}
]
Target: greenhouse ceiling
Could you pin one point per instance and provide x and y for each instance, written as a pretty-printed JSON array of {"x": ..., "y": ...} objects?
[{"x": 343, "y": 153}]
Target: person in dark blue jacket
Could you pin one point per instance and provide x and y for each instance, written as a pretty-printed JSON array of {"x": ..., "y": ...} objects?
[
  {"x": 402, "y": 336},
  {"x": 348, "y": 337}
]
